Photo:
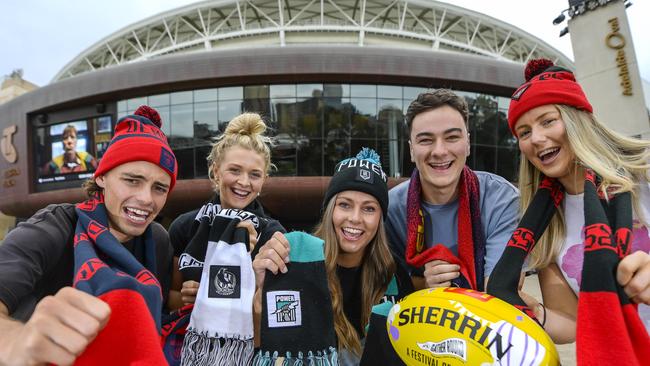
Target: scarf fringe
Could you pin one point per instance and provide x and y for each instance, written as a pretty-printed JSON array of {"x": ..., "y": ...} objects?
[
  {"x": 201, "y": 349},
  {"x": 320, "y": 358}
]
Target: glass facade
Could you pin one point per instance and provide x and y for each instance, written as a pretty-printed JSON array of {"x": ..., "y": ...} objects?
[{"x": 317, "y": 125}]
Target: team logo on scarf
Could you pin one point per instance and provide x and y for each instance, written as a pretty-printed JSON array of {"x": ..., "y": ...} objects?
[
  {"x": 225, "y": 282},
  {"x": 284, "y": 308}
]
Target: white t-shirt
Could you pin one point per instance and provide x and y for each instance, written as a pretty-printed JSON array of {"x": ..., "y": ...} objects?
[{"x": 570, "y": 258}]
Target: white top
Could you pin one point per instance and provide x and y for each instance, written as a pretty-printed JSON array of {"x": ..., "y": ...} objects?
[{"x": 570, "y": 258}]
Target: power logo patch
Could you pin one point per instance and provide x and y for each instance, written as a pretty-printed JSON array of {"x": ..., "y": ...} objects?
[
  {"x": 225, "y": 282},
  {"x": 284, "y": 309}
]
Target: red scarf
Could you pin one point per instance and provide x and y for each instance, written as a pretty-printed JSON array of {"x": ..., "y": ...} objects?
[{"x": 471, "y": 241}]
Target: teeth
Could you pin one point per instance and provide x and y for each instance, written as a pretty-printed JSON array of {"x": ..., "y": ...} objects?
[
  {"x": 441, "y": 165},
  {"x": 138, "y": 212},
  {"x": 136, "y": 218},
  {"x": 352, "y": 231},
  {"x": 547, "y": 151},
  {"x": 240, "y": 192}
]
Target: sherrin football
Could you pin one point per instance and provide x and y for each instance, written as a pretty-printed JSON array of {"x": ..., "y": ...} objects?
[{"x": 455, "y": 326}]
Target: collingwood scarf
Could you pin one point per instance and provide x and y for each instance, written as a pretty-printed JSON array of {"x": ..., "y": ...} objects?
[
  {"x": 609, "y": 330},
  {"x": 471, "y": 241},
  {"x": 104, "y": 268},
  {"x": 297, "y": 326},
  {"x": 220, "y": 330}
]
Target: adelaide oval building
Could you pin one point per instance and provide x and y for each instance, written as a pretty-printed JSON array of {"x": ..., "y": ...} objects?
[{"x": 329, "y": 77}]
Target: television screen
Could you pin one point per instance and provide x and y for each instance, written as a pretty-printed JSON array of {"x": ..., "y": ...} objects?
[{"x": 70, "y": 151}]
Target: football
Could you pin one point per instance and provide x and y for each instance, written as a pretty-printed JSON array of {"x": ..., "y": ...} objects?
[{"x": 455, "y": 326}]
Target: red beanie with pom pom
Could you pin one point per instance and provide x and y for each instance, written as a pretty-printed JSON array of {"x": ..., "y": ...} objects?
[
  {"x": 545, "y": 84},
  {"x": 138, "y": 138}
]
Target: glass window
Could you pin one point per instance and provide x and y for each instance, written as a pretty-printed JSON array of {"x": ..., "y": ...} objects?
[
  {"x": 364, "y": 118},
  {"x": 483, "y": 158},
  {"x": 134, "y": 103},
  {"x": 389, "y": 91},
  {"x": 310, "y": 157},
  {"x": 309, "y": 90},
  {"x": 182, "y": 134},
  {"x": 337, "y": 117},
  {"x": 227, "y": 111},
  {"x": 181, "y": 97},
  {"x": 205, "y": 95},
  {"x": 230, "y": 93},
  {"x": 260, "y": 106},
  {"x": 508, "y": 163},
  {"x": 256, "y": 92},
  {"x": 308, "y": 117},
  {"x": 121, "y": 107},
  {"x": 412, "y": 92},
  {"x": 200, "y": 160},
  {"x": 389, "y": 118},
  {"x": 336, "y": 90},
  {"x": 284, "y": 117},
  {"x": 361, "y": 90},
  {"x": 283, "y": 91},
  {"x": 206, "y": 122},
  {"x": 185, "y": 158},
  {"x": 158, "y": 100},
  {"x": 503, "y": 103}
]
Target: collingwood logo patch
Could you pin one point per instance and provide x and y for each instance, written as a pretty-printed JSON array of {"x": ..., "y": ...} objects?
[
  {"x": 283, "y": 309},
  {"x": 225, "y": 282}
]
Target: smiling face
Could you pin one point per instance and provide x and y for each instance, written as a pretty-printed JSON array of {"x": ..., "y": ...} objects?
[
  {"x": 543, "y": 141},
  {"x": 439, "y": 145},
  {"x": 134, "y": 194},
  {"x": 240, "y": 176},
  {"x": 355, "y": 218}
]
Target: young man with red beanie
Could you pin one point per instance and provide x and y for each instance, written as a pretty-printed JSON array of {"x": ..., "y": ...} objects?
[
  {"x": 449, "y": 224},
  {"x": 86, "y": 283}
]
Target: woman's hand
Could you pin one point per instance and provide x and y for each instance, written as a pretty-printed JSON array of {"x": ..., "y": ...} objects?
[
  {"x": 633, "y": 273},
  {"x": 252, "y": 233},
  {"x": 189, "y": 291},
  {"x": 272, "y": 256}
]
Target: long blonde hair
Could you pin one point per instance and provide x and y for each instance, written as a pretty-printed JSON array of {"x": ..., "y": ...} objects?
[
  {"x": 618, "y": 160},
  {"x": 247, "y": 131},
  {"x": 377, "y": 269}
]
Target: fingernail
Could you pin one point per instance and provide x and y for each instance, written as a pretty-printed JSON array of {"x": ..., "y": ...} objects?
[
  {"x": 286, "y": 259},
  {"x": 284, "y": 270}
]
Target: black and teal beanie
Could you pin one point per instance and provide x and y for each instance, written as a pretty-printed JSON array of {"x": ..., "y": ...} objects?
[{"x": 361, "y": 173}]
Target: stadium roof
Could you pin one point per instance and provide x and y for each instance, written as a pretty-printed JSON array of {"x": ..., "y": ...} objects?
[{"x": 210, "y": 26}]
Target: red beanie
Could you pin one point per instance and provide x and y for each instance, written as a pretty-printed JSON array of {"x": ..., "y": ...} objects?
[
  {"x": 545, "y": 84},
  {"x": 138, "y": 138}
]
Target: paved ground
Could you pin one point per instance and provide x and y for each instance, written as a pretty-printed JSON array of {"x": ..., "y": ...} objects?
[{"x": 567, "y": 351}]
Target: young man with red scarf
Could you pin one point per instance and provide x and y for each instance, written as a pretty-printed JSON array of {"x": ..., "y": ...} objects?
[
  {"x": 449, "y": 224},
  {"x": 84, "y": 283}
]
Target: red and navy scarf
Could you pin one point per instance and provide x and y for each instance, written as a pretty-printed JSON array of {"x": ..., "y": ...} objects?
[
  {"x": 106, "y": 269},
  {"x": 609, "y": 330},
  {"x": 471, "y": 241}
]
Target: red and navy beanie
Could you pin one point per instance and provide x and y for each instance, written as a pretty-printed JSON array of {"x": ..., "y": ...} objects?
[
  {"x": 545, "y": 84},
  {"x": 138, "y": 137},
  {"x": 361, "y": 173}
]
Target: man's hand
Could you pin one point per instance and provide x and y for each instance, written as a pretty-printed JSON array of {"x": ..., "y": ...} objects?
[
  {"x": 439, "y": 273},
  {"x": 60, "y": 329}
]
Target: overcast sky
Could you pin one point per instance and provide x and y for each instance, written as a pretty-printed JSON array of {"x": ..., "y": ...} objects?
[{"x": 42, "y": 36}]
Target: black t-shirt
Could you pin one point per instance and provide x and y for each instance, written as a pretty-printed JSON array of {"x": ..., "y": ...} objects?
[
  {"x": 350, "y": 279},
  {"x": 180, "y": 231},
  {"x": 37, "y": 258}
]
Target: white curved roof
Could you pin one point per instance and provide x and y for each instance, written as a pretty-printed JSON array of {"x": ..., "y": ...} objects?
[{"x": 227, "y": 24}]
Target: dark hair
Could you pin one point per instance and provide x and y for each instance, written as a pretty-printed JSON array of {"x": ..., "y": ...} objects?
[
  {"x": 435, "y": 99},
  {"x": 91, "y": 187}
]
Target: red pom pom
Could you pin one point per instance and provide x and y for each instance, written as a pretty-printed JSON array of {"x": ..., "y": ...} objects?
[
  {"x": 536, "y": 67},
  {"x": 150, "y": 113}
]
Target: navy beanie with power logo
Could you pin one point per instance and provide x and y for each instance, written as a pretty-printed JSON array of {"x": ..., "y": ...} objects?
[{"x": 362, "y": 173}]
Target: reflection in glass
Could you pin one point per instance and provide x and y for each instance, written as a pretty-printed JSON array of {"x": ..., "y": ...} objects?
[
  {"x": 230, "y": 93},
  {"x": 364, "y": 122},
  {"x": 205, "y": 95},
  {"x": 309, "y": 90},
  {"x": 310, "y": 159},
  {"x": 336, "y": 90},
  {"x": 361, "y": 90},
  {"x": 182, "y": 126},
  {"x": 389, "y": 91},
  {"x": 200, "y": 160},
  {"x": 158, "y": 100},
  {"x": 181, "y": 97},
  {"x": 206, "y": 122},
  {"x": 185, "y": 157}
]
